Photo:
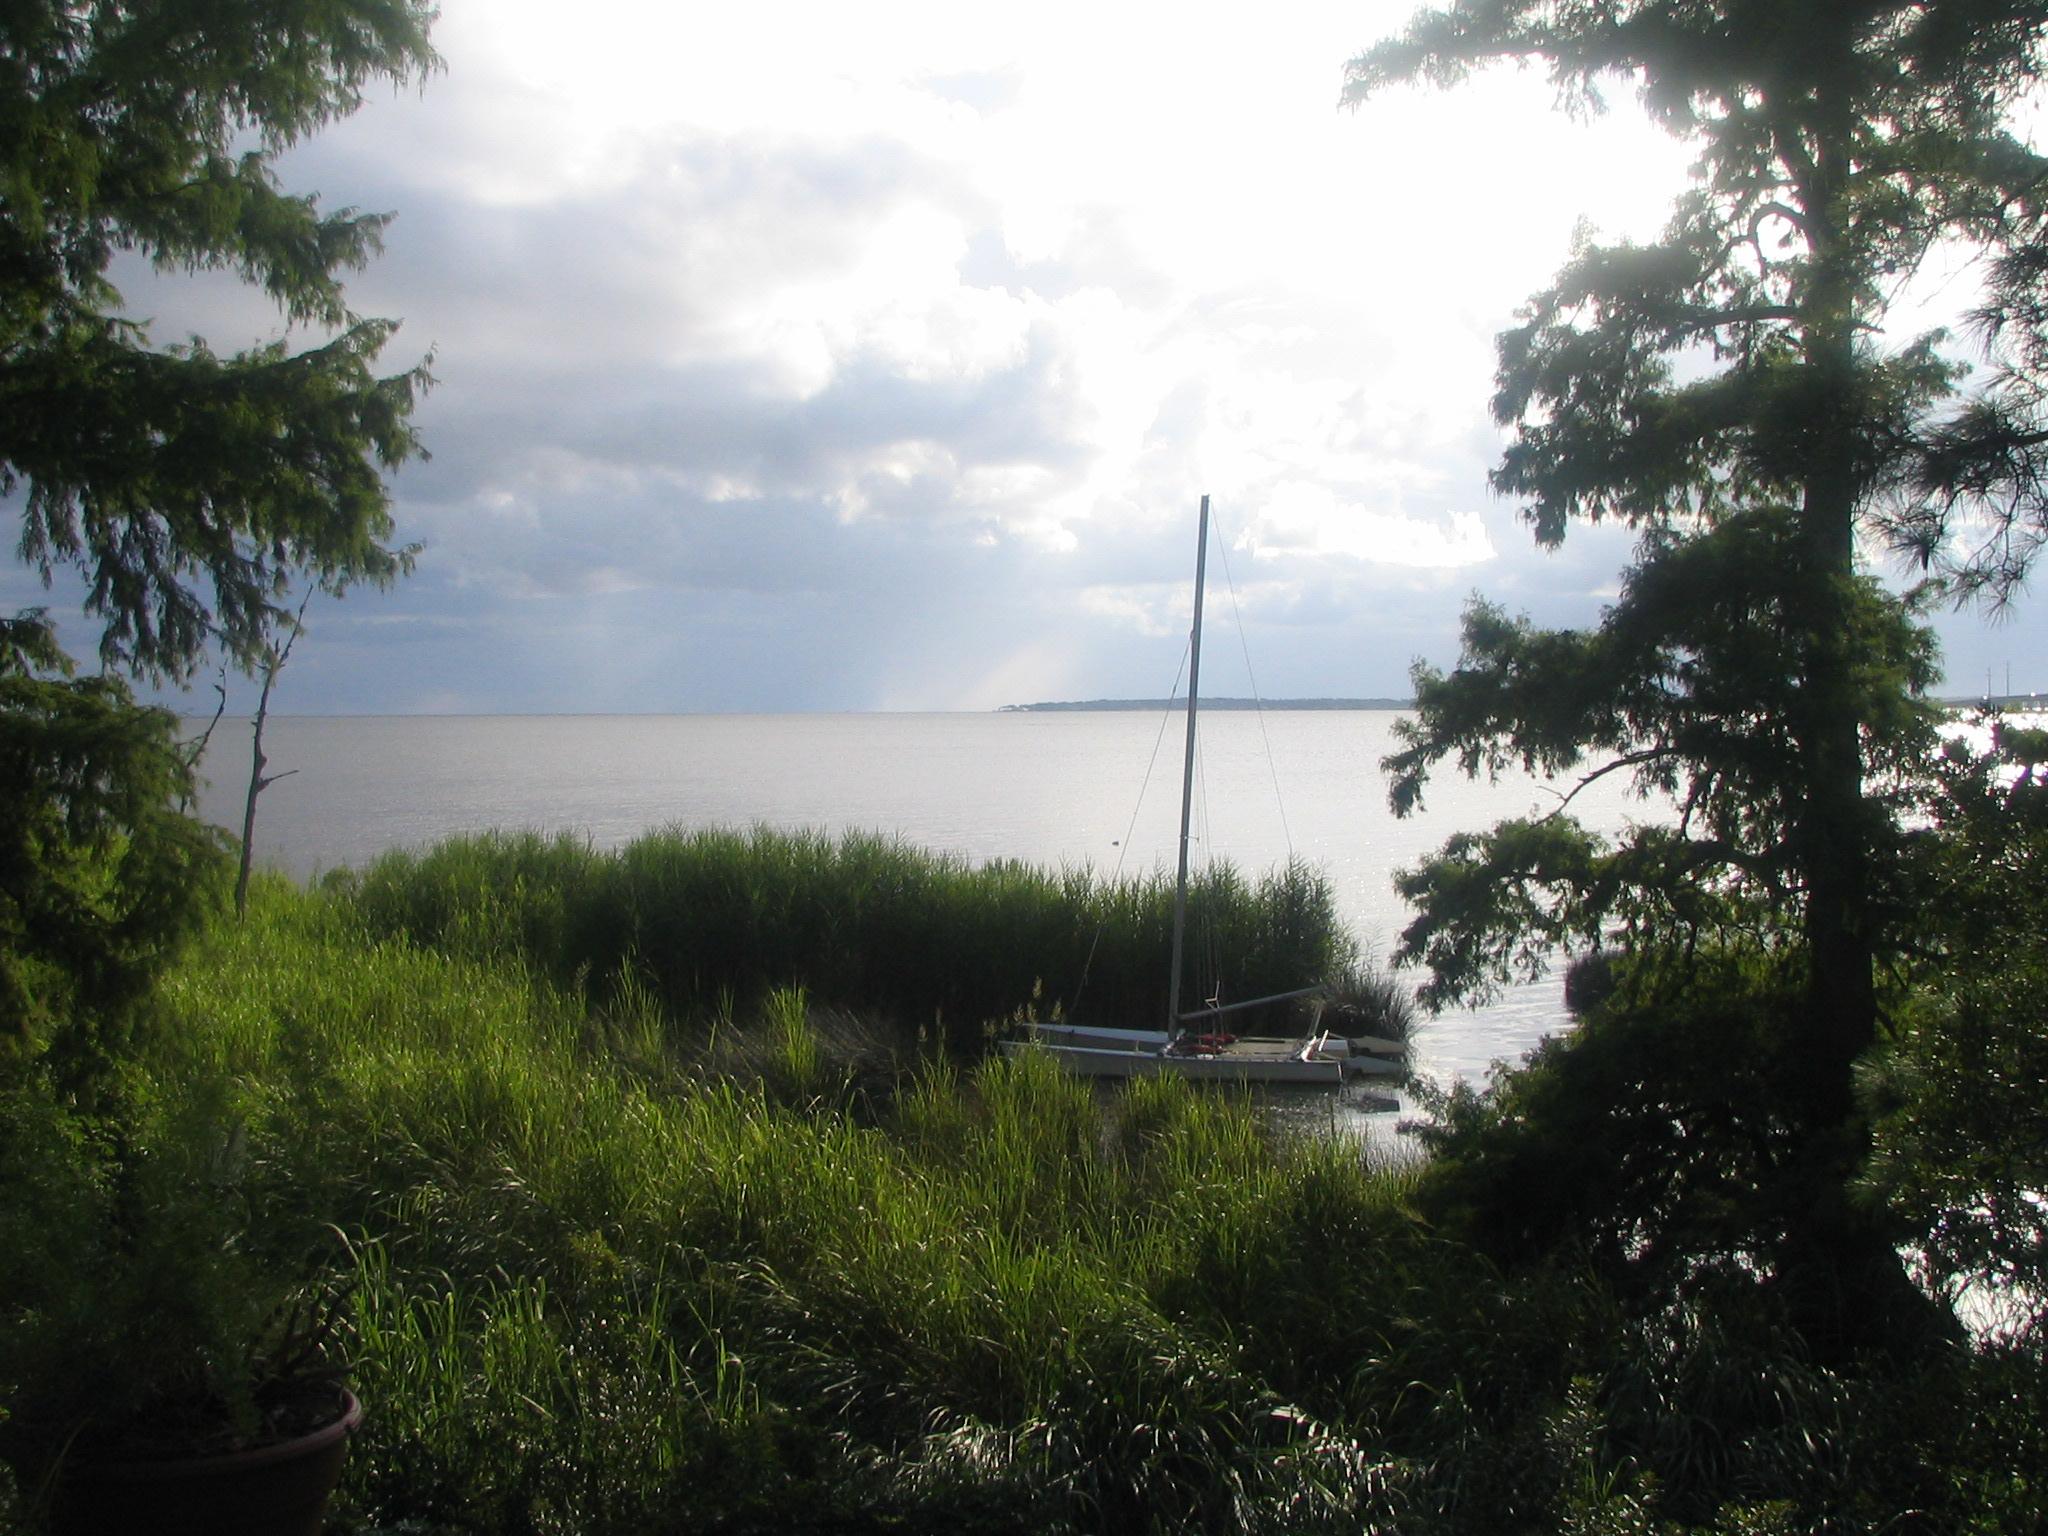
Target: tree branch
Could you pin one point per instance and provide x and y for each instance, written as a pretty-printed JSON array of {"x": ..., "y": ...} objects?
[
  {"x": 258, "y": 780},
  {"x": 1613, "y": 765}
]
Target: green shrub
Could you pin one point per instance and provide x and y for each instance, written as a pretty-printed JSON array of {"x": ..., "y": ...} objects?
[{"x": 151, "y": 1303}]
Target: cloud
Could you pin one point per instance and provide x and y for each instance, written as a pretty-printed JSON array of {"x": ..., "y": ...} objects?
[{"x": 793, "y": 357}]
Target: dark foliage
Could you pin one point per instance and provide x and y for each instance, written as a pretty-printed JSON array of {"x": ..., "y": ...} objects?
[
  {"x": 188, "y": 487},
  {"x": 102, "y": 876}
]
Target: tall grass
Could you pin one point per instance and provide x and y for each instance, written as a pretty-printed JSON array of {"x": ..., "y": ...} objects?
[
  {"x": 709, "y": 921},
  {"x": 562, "y": 1262},
  {"x": 600, "y": 1291}
]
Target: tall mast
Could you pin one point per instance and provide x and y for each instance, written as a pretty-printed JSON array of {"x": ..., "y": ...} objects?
[{"x": 1187, "y": 775}]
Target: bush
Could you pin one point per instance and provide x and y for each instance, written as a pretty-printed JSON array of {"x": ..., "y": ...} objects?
[
  {"x": 149, "y": 1307},
  {"x": 102, "y": 877}
]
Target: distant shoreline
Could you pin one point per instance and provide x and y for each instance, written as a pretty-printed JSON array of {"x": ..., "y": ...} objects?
[
  {"x": 1150, "y": 705},
  {"x": 2018, "y": 703}
]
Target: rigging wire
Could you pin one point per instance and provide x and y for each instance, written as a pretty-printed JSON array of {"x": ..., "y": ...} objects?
[
  {"x": 1258, "y": 702},
  {"x": 1208, "y": 947},
  {"x": 1209, "y": 939},
  {"x": 1124, "y": 848}
]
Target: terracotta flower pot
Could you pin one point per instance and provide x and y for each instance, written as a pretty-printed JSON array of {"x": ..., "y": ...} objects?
[{"x": 273, "y": 1490}]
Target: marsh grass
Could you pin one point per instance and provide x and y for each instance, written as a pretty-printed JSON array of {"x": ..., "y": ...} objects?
[
  {"x": 1364, "y": 1002},
  {"x": 584, "y": 1279},
  {"x": 607, "y": 1283},
  {"x": 501, "y": 1408},
  {"x": 707, "y": 923}
]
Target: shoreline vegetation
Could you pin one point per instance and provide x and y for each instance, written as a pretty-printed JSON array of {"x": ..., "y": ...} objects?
[
  {"x": 640, "y": 1226},
  {"x": 613, "y": 1271},
  {"x": 2014, "y": 703},
  {"x": 704, "y": 922}
]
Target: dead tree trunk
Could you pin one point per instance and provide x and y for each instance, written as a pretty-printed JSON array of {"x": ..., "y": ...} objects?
[{"x": 273, "y": 664}]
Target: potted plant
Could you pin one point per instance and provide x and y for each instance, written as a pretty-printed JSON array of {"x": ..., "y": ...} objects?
[
  {"x": 158, "y": 1368},
  {"x": 154, "y": 1314},
  {"x": 150, "y": 1355}
]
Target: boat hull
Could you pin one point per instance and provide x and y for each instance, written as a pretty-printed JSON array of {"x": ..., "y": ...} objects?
[
  {"x": 1100, "y": 1051},
  {"x": 1103, "y": 1061}
]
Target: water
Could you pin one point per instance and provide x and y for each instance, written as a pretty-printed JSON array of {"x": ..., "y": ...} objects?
[{"x": 1083, "y": 788}]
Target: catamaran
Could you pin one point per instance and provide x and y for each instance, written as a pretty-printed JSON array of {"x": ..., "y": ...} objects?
[{"x": 1192, "y": 1045}]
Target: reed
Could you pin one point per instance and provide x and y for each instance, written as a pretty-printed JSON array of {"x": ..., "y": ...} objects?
[
  {"x": 581, "y": 1284},
  {"x": 600, "y": 1288},
  {"x": 710, "y": 921}
]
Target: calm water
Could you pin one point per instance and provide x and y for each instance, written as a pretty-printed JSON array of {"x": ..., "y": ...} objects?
[{"x": 1096, "y": 789}]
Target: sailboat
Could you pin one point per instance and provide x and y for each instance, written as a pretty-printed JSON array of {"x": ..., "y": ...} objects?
[{"x": 1191, "y": 1045}]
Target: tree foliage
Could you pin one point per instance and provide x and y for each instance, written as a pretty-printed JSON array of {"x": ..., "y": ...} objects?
[
  {"x": 1961, "y": 1091},
  {"x": 1688, "y": 686},
  {"x": 1644, "y": 1137},
  {"x": 102, "y": 875},
  {"x": 1731, "y": 392},
  {"x": 190, "y": 486},
  {"x": 1735, "y": 375},
  {"x": 1740, "y": 357}
]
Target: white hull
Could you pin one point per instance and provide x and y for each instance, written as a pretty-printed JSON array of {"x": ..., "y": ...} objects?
[
  {"x": 1099, "y": 1061},
  {"x": 1100, "y": 1051},
  {"x": 1102, "y": 1036}
]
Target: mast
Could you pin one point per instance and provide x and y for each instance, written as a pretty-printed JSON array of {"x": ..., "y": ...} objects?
[{"x": 1187, "y": 775}]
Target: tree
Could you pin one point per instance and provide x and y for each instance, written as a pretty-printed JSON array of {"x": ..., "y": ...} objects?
[
  {"x": 187, "y": 486},
  {"x": 1687, "y": 684},
  {"x": 279, "y": 652},
  {"x": 1962, "y": 1123},
  {"x": 101, "y": 876},
  {"x": 1729, "y": 391}
]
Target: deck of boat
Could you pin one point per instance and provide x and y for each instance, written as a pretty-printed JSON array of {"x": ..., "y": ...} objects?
[
  {"x": 1108, "y": 1052},
  {"x": 1248, "y": 1060}
]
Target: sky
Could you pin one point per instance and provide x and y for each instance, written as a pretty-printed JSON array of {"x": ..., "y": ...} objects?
[{"x": 804, "y": 357}]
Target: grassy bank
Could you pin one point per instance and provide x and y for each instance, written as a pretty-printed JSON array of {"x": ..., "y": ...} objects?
[
  {"x": 603, "y": 1280},
  {"x": 594, "y": 1293},
  {"x": 711, "y": 922},
  {"x": 596, "y": 1290}
]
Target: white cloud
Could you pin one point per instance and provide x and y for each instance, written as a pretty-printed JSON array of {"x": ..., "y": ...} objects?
[
  {"x": 890, "y": 346},
  {"x": 1157, "y": 610},
  {"x": 1309, "y": 519}
]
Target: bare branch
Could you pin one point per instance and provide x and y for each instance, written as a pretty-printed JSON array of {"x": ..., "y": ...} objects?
[
  {"x": 258, "y": 780},
  {"x": 196, "y": 748},
  {"x": 1612, "y": 765}
]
